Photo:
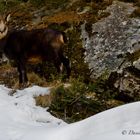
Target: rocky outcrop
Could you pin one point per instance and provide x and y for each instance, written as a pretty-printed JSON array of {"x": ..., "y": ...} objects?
[{"x": 111, "y": 37}]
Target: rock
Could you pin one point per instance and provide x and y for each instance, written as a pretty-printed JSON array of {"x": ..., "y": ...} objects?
[
  {"x": 110, "y": 37},
  {"x": 128, "y": 83}
]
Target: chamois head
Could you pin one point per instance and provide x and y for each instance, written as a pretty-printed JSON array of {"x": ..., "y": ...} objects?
[{"x": 3, "y": 25}]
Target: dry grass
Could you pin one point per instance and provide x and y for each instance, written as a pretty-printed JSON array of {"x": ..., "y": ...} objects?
[
  {"x": 68, "y": 16},
  {"x": 44, "y": 101},
  {"x": 36, "y": 79},
  {"x": 8, "y": 75}
]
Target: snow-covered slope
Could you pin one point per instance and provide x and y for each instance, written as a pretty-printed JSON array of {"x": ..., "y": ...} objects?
[{"x": 20, "y": 119}]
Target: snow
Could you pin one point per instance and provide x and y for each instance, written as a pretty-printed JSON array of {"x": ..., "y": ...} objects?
[{"x": 21, "y": 119}]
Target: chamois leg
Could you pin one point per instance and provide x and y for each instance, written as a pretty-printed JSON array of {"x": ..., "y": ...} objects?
[
  {"x": 23, "y": 80},
  {"x": 66, "y": 63},
  {"x": 58, "y": 66}
]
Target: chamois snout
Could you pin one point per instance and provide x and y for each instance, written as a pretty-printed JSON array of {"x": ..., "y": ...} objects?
[{"x": 3, "y": 26}]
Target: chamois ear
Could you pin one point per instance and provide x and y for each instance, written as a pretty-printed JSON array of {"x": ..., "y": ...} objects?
[{"x": 7, "y": 18}]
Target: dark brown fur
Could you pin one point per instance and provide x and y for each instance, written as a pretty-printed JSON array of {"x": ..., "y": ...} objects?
[{"x": 36, "y": 45}]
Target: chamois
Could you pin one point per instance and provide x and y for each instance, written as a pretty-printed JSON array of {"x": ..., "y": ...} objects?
[{"x": 25, "y": 46}]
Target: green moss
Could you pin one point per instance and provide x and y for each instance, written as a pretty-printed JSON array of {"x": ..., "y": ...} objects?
[
  {"x": 50, "y": 4},
  {"x": 134, "y": 1},
  {"x": 37, "y": 3},
  {"x": 7, "y": 5}
]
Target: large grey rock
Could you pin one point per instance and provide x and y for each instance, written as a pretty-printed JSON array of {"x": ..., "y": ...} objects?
[{"x": 113, "y": 36}]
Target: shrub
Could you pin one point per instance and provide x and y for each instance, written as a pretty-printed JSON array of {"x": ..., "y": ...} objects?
[{"x": 72, "y": 103}]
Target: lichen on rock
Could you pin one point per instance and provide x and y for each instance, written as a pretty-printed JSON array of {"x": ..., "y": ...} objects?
[{"x": 112, "y": 36}]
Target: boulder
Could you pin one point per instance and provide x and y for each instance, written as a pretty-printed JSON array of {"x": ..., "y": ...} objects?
[{"x": 112, "y": 40}]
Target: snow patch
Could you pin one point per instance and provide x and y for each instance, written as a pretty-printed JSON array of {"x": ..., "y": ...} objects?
[{"x": 21, "y": 119}]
